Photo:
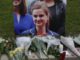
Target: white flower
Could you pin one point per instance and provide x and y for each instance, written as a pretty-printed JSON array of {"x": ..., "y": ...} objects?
[
  {"x": 67, "y": 41},
  {"x": 1, "y": 40},
  {"x": 77, "y": 39}
]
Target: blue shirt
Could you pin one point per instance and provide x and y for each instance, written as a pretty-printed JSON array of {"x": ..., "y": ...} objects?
[
  {"x": 25, "y": 23},
  {"x": 33, "y": 32}
]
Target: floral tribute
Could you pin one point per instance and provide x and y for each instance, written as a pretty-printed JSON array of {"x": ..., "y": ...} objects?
[{"x": 46, "y": 45}]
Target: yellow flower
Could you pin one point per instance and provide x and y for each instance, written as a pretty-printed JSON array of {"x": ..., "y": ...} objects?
[
  {"x": 14, "y": 52},
  {"x": 20, "y": 49},
  {"x": 11, "y": 53}
]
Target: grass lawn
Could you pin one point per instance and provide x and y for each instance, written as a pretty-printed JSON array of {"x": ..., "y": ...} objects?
[{"x": 72, "y": 18}]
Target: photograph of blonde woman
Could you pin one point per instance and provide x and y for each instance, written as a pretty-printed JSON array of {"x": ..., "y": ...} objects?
[{"x": 39, "y": 30}]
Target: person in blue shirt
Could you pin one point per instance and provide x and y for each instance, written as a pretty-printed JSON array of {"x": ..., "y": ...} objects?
[
  {"x": 22, "y": 20},
  {"x": 40, "y": 15},
  {"x": 57, "y": 11}
]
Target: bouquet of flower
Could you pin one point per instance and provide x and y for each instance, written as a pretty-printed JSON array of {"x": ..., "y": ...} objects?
[
  {"x": 5, "y": 45},
  {"x": 46, "y": 45},
  {"x": 17, "y": 54}
]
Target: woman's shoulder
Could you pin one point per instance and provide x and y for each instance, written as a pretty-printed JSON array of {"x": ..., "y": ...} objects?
[{"x": 29, "y": 32}]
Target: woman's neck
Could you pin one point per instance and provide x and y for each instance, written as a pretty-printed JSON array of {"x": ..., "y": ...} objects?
[
  {"x": 48, "y": 0},
  {"x": 41, "y": 31},
  {"x": 50, "y": 3}
]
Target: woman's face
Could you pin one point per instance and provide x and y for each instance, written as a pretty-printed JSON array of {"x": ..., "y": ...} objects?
[{"x": 40, "y": 18}]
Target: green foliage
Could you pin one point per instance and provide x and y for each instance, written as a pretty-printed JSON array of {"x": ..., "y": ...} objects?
[
  {"x": 6, "y": 19},
  {"x": 73, "y": 17},
  {"x": 54, "y": 49},
  {"x": 6, "y": 45}
]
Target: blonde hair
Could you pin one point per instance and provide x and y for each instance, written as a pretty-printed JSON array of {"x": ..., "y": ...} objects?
[{"x": 40, "y": 5}]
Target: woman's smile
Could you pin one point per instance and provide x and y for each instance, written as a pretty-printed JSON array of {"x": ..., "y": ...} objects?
[{"x": 39, "y": 22}]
